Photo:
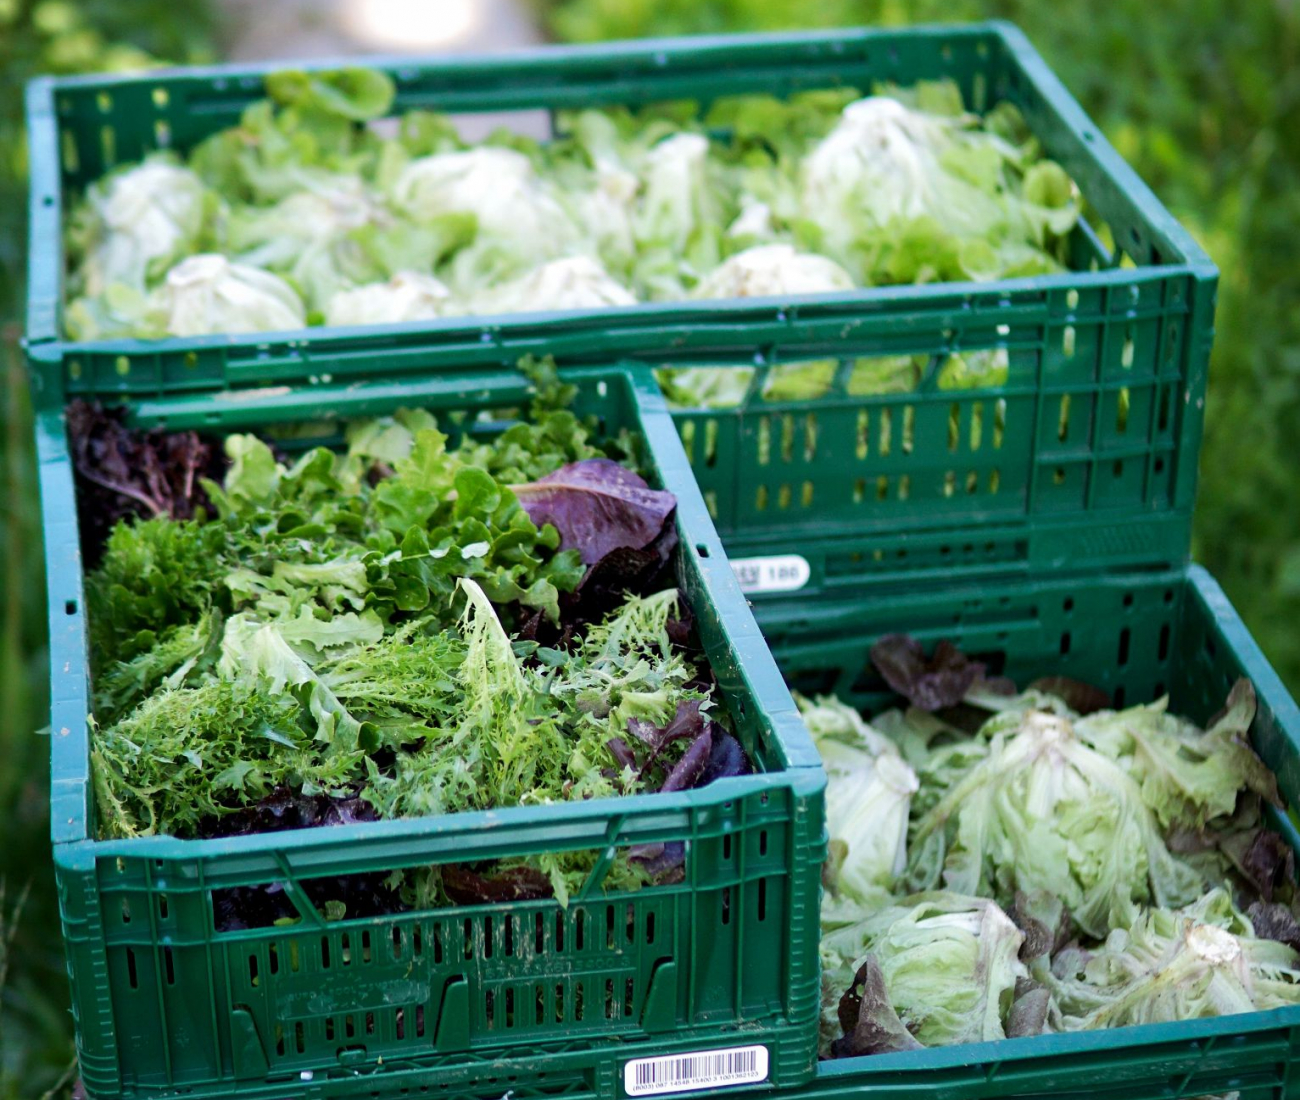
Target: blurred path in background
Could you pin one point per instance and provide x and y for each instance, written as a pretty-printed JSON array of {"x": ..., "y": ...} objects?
[{"x": 255, "y": 30}]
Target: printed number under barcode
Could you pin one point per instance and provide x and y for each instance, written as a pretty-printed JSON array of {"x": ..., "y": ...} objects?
[
  {"x": 716, "y": 1067},
  {"x": 691, "y": 1072}
]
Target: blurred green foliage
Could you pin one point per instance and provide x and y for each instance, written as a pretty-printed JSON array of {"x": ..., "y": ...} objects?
[
  {"x": 50, "y": 36},
  {"x": 1203, "y": 97}
]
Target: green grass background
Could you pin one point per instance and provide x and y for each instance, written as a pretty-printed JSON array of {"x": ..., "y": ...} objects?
[{"x": 1202, "y": 96}]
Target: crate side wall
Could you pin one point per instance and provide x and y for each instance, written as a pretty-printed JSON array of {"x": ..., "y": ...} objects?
[{"x": 1099, "y": 421}]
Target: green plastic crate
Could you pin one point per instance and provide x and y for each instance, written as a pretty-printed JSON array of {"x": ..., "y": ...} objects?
[
  {"x": 1154, "y": 287},
  {"x": 1088, "y": 452},
  {"x": 469, "y": 999},
  {"x": 1138, "y": 635}
]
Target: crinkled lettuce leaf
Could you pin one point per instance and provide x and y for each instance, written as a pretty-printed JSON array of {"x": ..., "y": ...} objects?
[
  {"x": 1041, "y": 810},
  {"x": 868, "y": 797},
  {"x": 1200, "y": 961},
  {"x": 949, "y": 965}
]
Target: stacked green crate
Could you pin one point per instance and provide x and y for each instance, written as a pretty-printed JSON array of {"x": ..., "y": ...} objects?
[
  {"x": 469, "y": 997},
  {"x": 933, "y": 511}
]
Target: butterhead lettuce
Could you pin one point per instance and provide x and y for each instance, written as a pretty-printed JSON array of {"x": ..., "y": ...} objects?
[
  {"x": 949, "y": 964},
  {"x": 868, "y": 795},
  {"x": 1186, "y": 964},
  {"x": 1043, "y": 811}
]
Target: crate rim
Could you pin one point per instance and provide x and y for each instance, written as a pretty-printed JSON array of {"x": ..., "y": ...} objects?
[
  {"x": 649, "y": 51},
  {"x": 593, "y": 823},
  {"x": 788, "y": 308},
  {"x": 1056, "y": 1044},
  {"x": 45, "y": 274}
]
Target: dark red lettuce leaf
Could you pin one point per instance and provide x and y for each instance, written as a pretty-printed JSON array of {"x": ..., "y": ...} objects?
[
  {"x": 466, "y": 887},
  {"x": 1028, "y": 1015},
  {"x": 597, "y": 506},
  {"x": 930, "y": 684},
  {"x": 1044, "y": 921},
  {"x": 603, "y": 589},
  {"x": 687, "y": 722},
  {"x": 620, "y": 751},
  {"x": 362, "y": 895},
  {"x": 1079, "y": 697},
  {"x": 689, "y": 769},
  {"x": 726, "y": 759},
  {"x": 122, "y": 472},
  {"x": 871, "y": 1026},
  {"x": 285, "y": 809},
  {"x": 665, "y": 863},
  {"x": 1274, "y": 921},
  {"x": 1264, "y": 859},
  {"x": 712, "y": 753}
]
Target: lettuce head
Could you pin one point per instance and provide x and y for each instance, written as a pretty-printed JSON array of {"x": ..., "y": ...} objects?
[
  {"x": 948, "y": 966},
  {"x": 575, "y": 282},
  {"x": 1041, "y": 810},
  {"x": 407, "y": 296},
  {"x": 209, "y": 294},
  {"x": 137, "y": 223},
  {"x": 516, "y": 213},
  {"x": 1186, "y": 964},
  {"x": 868, "y": 795},
  {"x": 772, "y": 269}
]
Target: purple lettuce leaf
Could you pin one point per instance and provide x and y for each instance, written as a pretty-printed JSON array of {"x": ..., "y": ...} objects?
[
  {"x": 663, "y": 862},
  {"x": 284, "y": 809},
  {"x": 1028, "y": 1015},
  {"x": 688, "y": 770},
  {"x": 930, "y": 684},
  {"x": 622, "y": 752},
  {"x": 466, "y": 887},
  {"x": 123, "y": 472},
  {"x": 597, "y": 506},
  {"x": 1274, "y": 921},
  {"x": 726, "y": 759},
  {"x": 1079, "y": 697}
]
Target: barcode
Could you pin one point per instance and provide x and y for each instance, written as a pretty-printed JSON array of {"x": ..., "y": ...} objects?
[{"x": 699, "y": 1070}]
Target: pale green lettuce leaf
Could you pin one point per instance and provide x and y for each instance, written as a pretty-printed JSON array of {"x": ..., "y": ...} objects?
[
  {"x": 950, "y": 963},
  {"x": 868, "y": 796},
  {"x": 1041, "y": 810},
  {"x": 135, "y": 224},
  {"x": 1187, "y": 776},
  {"x": 772, "y": 270},
  {"x": 1201, "y": 961},
  {"x": 208, "y": 294},
  {"x": 407, "y": 296},
  {"x": 577, "y": 282}
]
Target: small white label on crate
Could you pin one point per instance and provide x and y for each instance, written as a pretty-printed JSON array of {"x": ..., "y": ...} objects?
[
  {"x": 779, "y": 573},
  {"x": 705, "y": 1069}
]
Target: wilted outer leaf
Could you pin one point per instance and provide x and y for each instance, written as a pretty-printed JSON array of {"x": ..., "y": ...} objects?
[
  {"x": 1187, "y": 776},
  {"x": 597, "y": 506},
  {"x": 871, "y": 1026},
  {"x": 1079, "y": 697}
]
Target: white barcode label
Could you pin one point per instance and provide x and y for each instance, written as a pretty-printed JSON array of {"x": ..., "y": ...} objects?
[
  {"x": 705, "y": 1069},
  {"x": 778, "y": 573}
]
